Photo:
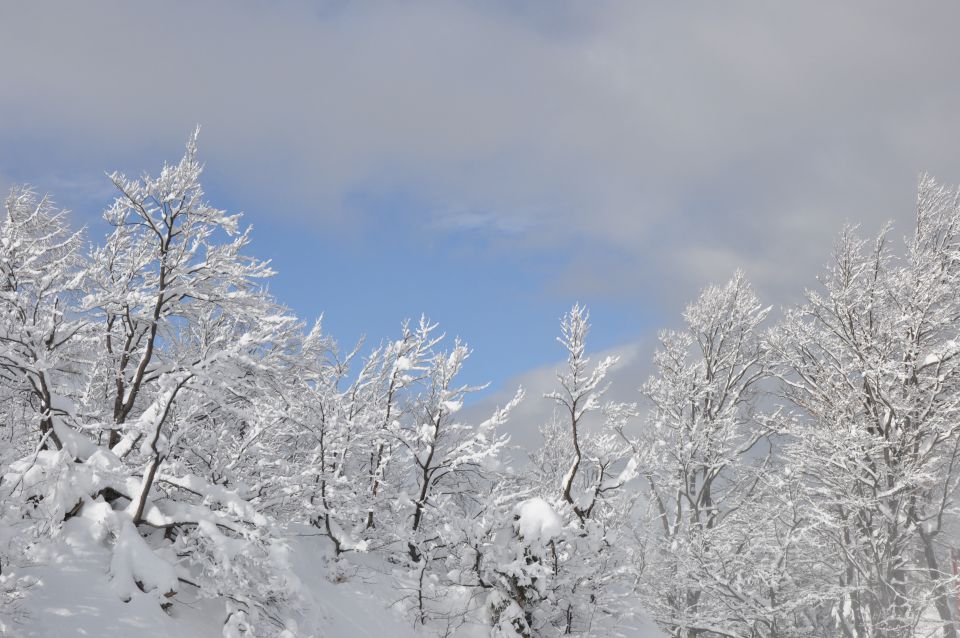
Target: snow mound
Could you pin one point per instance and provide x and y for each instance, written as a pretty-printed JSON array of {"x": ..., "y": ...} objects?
[{"x": 537, "y": 521}]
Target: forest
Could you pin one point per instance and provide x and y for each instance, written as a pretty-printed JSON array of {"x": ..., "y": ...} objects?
[{"x": 782, "y": 473}]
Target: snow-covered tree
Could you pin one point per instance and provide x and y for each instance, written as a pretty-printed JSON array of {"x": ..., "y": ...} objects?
[
  {"x": 184, "y": 360},
  {"x": 320, "y": 444},
  {"x": 450, "y": 467},
  {"x": 695, "y": 455},
  {"x": 40, "y": 261},
  {"x": 41, "y": 358},
  {"x": 581, "y": 472},
  {"x": 344, "y": 449},
  {"x": 382, "y": 401},
  {"x": 870, "y": 364}
]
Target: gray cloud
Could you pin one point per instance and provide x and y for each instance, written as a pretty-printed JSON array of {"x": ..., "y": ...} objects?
[{"x": 668, "y": 144}]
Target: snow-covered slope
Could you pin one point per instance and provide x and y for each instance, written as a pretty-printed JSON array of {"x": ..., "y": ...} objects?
[{"x": 73, "y": 596}]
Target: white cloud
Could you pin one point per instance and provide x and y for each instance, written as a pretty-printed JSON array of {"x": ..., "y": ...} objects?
[{"x": 467, "y": 221}]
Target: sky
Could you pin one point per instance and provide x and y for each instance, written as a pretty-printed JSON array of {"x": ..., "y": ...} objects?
[{"x": 490, "y": 163}]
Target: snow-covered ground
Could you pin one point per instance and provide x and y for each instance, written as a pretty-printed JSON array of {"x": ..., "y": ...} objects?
[{"x": 74, "y": 598}]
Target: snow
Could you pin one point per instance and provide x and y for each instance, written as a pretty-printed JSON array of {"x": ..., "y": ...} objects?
[
  {"x": 452, "y": 406},
  {"x": 133, "y": 562},
  {"x": 343, "y": 599},
  {"x": 352, "y": 598},
  {"x": 75, "y": 598},
  {"x": 537, "y": 521}
]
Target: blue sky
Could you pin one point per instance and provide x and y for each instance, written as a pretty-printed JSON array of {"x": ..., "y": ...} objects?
[
  {"x": 488, "y": 164},
  {"x": 383, "y": 264}
]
